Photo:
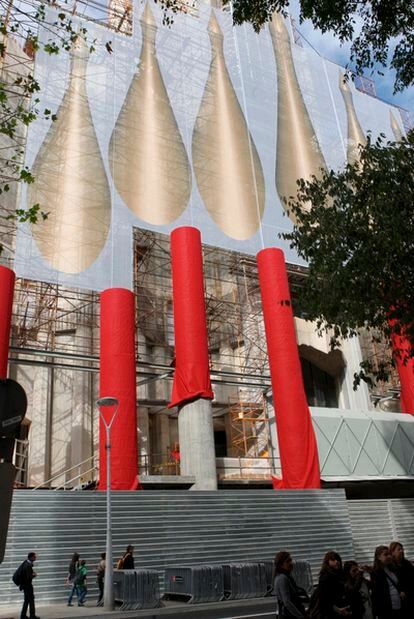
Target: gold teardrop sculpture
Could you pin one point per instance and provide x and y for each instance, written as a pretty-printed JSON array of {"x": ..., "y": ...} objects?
[
  {"x": 298, "y": 152},
  {"x": 147, "y": 156},
  {"x": 226, "y": 163},
  {"x": 398, "y": 134},
  {"x": 70, "y": 181},
  {"x": 356, "y": 136}
]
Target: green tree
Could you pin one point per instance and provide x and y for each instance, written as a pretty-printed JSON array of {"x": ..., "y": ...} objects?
[
  {"x": 378, "y": 29},
  {"x": 355, "y": 228}
]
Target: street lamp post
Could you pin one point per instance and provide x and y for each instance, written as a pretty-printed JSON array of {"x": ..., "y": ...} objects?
[{"x": 109, "y": 568}]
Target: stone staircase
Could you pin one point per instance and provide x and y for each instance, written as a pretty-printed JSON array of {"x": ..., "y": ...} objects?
[{"x": 168, "y": 527}]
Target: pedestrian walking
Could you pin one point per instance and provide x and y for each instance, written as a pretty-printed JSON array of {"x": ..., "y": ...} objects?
[
  {"x": 286, "y": 590},
  {"x": 71, "y": 577},
  {"x": 23, "y": 577},
  {"x": 81, "y": 582},
  {"x": 100, "y": 577}
]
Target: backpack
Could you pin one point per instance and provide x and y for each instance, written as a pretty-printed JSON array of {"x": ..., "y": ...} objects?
[
  {"x": 314, "y": 610},
  {"x": 120, "y": 564},
  {"x": 17, "y": 576}
]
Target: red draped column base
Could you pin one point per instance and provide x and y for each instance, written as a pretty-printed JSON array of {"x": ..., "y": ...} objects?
[
  {"x": 296, "y": 437},
  {"x": 118, "y": 379},
  {"x": 192, "y": 371}
]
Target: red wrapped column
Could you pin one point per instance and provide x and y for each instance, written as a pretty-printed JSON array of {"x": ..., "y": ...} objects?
[
  {"x": 297, "y": 443},
  {"x": 118, "y": 379},
  {"x": 7, "y": 278},
  {"x": 402, "y": 348},
  {"x": 192, "y": 371}
]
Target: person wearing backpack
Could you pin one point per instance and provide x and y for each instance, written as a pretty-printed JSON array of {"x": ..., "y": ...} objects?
[
  {"x": 286, "y": 590},
  {"x": 81, "y": 582},
  {"x": 127, "y": 561},
  {"x": 71, "y": 577},
  {"x": 23, "y": 578}
]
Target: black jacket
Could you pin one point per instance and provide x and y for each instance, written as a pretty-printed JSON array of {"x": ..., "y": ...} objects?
[
  {"x": 381, "y": 598},
  {"x": 331, "y": 593},
  {"x": 405, "y": 574},
  {"x": 128, "y": 562},
  {"x": 27, "y": 574}
]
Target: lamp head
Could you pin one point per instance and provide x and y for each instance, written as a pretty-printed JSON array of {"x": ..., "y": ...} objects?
[{"x": 107, "y": 401}]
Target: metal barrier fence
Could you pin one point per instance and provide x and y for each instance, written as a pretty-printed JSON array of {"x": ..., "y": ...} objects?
[
  {"x": 231, "y": 581},
  {"x": 244, "y": 580},
  {"x": 137, "y": 589},
  {"x": 195, "y": 584}
]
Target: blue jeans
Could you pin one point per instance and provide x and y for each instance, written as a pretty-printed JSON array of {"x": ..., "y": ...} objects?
[
  {"x": 82, "y": 595},
  {"x": 73, "y": 591}
]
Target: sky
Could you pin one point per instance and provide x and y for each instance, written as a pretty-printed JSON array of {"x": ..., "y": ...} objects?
[{"x": 329, "y": 47}]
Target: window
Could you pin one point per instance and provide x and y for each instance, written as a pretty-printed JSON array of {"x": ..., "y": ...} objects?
[{"x": 320, "y": 387}]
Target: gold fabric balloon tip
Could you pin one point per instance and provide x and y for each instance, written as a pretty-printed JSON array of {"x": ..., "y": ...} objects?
[
  {"x": 148, "y": 159},
  {"x": 356, "y": 136},
  {"x": 226, "y": 163},
  {"x": 70, "y": 181},
  {"x": 298, "y": 151},
  {"x": 398, "y": 134},
  {"x": 213, "y": 26}
]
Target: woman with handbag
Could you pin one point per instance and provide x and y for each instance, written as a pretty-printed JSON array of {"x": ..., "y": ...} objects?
[
  {"x": 388, "y": 598},
  {"x": 286, "y": 590}
]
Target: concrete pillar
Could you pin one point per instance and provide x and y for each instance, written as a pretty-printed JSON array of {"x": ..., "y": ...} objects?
[
  {"x": 348, "y": 398},
  {"x": 197, "y": 452},
  {"x": 143, "y": 440}
]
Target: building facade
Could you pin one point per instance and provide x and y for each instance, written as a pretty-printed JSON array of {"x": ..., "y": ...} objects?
[{"x": 199, "y": 124}]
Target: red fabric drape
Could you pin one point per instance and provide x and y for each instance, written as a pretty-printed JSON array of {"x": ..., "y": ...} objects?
[
  {"x": 192, "y": 372},
  {"x": 297, "y": 443},
  {"x": 405, "y": 371},
  {"x": 7, "y": 278},
  {"x": 118, "y": 379}
]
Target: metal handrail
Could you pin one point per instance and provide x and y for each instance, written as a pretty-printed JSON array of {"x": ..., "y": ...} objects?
[
  {"x": 69, "y": 481},
  {"x": 65, "y": 472},
  {"x": 164, "y": 463}
]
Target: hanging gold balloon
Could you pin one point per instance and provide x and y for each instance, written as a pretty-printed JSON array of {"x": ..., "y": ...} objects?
[
  {"x": 298, "y": 152},
  {"x": 226, "y": 163},
  {"x": 148, "y": 160},
  {"x": 70, "y": 181},
  {"x": 356, "y": 135},
  {"x": 398, "y": 134}
]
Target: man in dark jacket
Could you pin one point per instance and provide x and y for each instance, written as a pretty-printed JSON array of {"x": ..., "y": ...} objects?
[{"x": 26, "y": 585}]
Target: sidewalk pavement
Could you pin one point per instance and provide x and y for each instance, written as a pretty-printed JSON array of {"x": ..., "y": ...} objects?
[{"x": 170, "y": 608}]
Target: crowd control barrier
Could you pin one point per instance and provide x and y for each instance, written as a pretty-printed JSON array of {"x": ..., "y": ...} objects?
[
  {"x": 302, "y": 575},
  {"x": 195, "y": 584},
  {"x": 244, "y": 580},
  {"x": 136, "y": 589}
]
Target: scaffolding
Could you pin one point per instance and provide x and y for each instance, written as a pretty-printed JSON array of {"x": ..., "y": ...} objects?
[
  {"x": 249, "y": 430},
  {"x": 236, "y": 335}
]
